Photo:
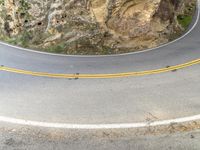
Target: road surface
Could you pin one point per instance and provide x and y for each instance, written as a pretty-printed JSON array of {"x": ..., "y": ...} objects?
[{"x": 154, "y": 87}]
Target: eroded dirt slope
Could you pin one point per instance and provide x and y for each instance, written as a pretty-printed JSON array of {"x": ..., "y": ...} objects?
[{"x": 91, "y": 26}]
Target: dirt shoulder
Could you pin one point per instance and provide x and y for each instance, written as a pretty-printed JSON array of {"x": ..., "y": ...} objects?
[{"x": 23, "y": 138}]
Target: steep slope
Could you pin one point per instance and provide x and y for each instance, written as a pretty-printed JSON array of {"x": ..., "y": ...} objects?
[{"x": 91, "y": 26}]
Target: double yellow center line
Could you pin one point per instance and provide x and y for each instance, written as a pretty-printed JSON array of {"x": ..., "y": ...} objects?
[{"x": 95, "y": 76}]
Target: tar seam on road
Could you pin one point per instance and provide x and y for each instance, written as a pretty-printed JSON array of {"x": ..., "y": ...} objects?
[{"x": 101, "y": 76}]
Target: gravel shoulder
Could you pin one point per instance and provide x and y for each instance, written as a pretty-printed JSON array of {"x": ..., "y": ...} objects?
[{"x": 23, "y": 138}]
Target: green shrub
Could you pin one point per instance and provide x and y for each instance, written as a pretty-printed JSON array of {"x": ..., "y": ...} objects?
[{"x": 184, "y": 20}]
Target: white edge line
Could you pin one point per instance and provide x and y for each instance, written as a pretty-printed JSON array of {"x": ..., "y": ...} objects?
[
  {"x": 99, "y": 126},
  {"x": 114, "y": 55}
]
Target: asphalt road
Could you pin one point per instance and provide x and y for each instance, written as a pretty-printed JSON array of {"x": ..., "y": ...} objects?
[{"x": 161, "y": 96}]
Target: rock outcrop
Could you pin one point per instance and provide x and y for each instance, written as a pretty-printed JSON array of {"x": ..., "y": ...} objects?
[{"x": 90, "y": 26}]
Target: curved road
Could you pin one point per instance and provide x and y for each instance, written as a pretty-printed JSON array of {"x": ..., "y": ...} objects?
[{"x": 34, "y": 93}]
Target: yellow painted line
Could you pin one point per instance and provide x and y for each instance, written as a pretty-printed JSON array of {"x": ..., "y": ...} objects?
[{"x": 114, "y": 75}]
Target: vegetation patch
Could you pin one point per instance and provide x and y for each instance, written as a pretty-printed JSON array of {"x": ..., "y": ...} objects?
[{"x": 184, "y": 20}]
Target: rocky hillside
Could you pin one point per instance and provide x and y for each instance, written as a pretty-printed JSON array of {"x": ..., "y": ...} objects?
[{"x": 93, "y": 26}]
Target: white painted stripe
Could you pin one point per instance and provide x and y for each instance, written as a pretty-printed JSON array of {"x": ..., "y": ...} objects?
[
  {"x": 124, "y": 54},
  {"x": 98, "y": 126}
]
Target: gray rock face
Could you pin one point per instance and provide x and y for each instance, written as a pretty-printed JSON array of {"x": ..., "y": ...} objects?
[{"x": 89, "y": 26}]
